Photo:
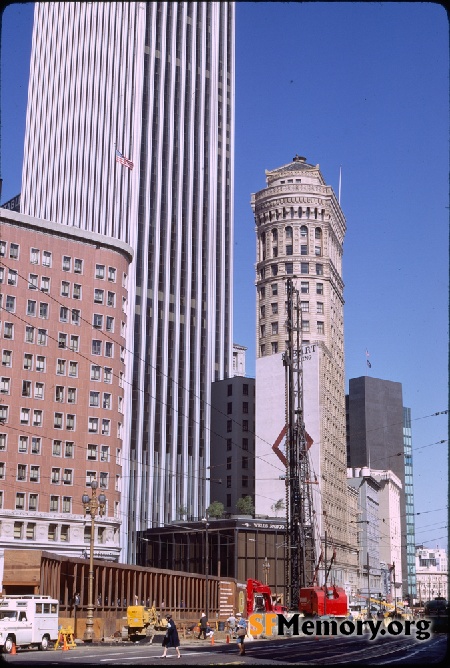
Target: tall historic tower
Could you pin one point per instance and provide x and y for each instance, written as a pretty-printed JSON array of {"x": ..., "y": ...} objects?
[
  {"x": 300, "y": 231},
  {"x": 154, "y": 81}
]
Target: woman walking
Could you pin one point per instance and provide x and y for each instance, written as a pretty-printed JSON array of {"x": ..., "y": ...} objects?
[
  {"x": 171, "y": 638},
  {"x": 241, "y": 631}
]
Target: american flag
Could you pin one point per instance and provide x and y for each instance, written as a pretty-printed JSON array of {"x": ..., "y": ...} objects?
[{"x": 123, "y": 160}]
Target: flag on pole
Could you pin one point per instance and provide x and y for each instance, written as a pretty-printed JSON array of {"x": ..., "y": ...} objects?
[
  {"x": 369, "y": 364},
  {"x": 367, "y": 355},
  {"x": 123, "y": 160}
]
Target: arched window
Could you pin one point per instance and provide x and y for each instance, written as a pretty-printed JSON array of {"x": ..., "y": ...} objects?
[
  {"x": 274, "y": 234},
  {"x": 318, "y": 233},
  {"x": 288, "y": 232},
  {"x": 304, "y": 231},
  {"x": 300, "y": 211}
]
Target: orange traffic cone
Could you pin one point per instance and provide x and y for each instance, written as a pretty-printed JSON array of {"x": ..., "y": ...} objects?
[
  {"x": 212, "y": 640},
  {"x": 228, "y": 638},
  {"x": 13, "y": 649},
  {"x": 65, "y": 646}
]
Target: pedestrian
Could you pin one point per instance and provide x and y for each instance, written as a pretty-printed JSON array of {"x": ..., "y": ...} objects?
[
  {"x": 203, "y": 623},
  {"x": 171, "y": 638},
  {"x": 241, "y": 632},
  {"x": 231, "y": 622},
  {"x": 209, "y": 632}
]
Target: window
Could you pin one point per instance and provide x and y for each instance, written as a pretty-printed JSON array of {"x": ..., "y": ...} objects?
[
  {"x": 3, "y": 441},
  {"x": 66, "y": 262},
  {"x": 228, "y": 481},
  {"x": 43, "y": 310},
  {"x": 56, "y": 448},
  {"x": 112, "y": 274},
  {"x": 71, "y": 395},
  {"x": 42, "y": 337},
  {"x": 288, "y": 232},
  {"x": 274, "y": 328},
  {"x": 54, "y": 505},
  {"x": 320, "y": 308},
  {"x": 67, "y": 504},
  {"x": 99, "y": 296},
  {"x": 319, "y": 288},
  {"x": 59, "y": 393},
  {"x": 36, "y": 445},
  {"x": 20, "y": 501},
  {"x": 12, "y": 277},
  {"x": 31, "y": 308},
  {"x": 46, "y": 259},
  {"x": 4, "y": 413},
  {"x": 68, "y": 477},
  {"x": 304, "y": 306},
  {"x": 106, "y": 427},
  {"x": 62, "y": 340},
  {"x": 45, "y": 284},
  {"x": 304, "y": 267},
  {"x": 76, "y": 291},
  {"x": 289, "y": 267},
  {"x": 245, "y": 406},
  {"x": 95, "y": 372},
  {"x": 245, "y": 481},
  {"x": 319, "y": 269},
  {"x": 33, "y": 281},
  {"x": 274, "y": 346},
  {"x": 23, "y": 444},
  {"x": 68, "y": 449},
  {"x": 75, "y": 316},
  {"x": 244, "y": 425},
  {"x": 103, "y": 480},
  {"x": 107, "y": 374},
  {"x": 21, "y": 472},
  {"x": 70, "y": 422},
  {"x": 104, "y": 455},
  {"x": 58, "y": 421},
  {"x": 274, "y": 308},
  {"x": 78, "y": 266},
  {"x": 29, "y": 334},
  {"x": 64, "y": 533},
  {"x": 5, "y": 384},
  {"x": 245, "y": 462},
  {"x": 263, "y": 350},
  {"x": 53, "y": 528},
  {"x": 2, "y": 248},
  {"x": 40, "y": 363},
  {"x": 317, "y": 233},
  {"x": 90, "y": 476},
  {"x": 317, "y": 250},
  {"x": 109, "y": 349},
  {"x": 96, "y": 347},
  {"x": 263, "y": 330},
  {"x": 110, "y": 324},
  {"x": 106, "y": 400},
  {"x": 229, "y": 425},
  {"x": 61, "y": 367},
  {"x": 93, "y": 425},
  {"x": 63, "y": 314},
  {"x": 274, "y": 269},
  {"x": 8, "y": 330},
  {"x": 92, "y": 451},
  {"x": 14, "y": 251},
  {"x": 2, "y": 470},
  {"x": 245, "y": 443},
  {"x": 305, "y": 325},
  {"x": 34, "y": 255},
  {"x": 100, "y": 271},
  {"x": 24, "y": 416},
  {"x": 65, "y": 288},
  {"x": 94, "y": 399},
  {"x": 37, "y": 418},
  {"x": 320, "y": 327},
  {"x": 32, "y": 502},
  {"x": 289, "y": 249},
  {"x": 56, "y": 476},
  {"x": 304, "y": 287},
  {"x": 98, "y": 321},
  {"x": 303, "y": 249},
  {"x": 229, "y": 461},
  {"x": 74, "y": 343},
  {"x": 10, "y": 304},
  {"x": 73, "y": 369},
  {"x": 34, "y": 473},
  {"x": 18, "y": 530},
  {"x": 111, "y": 300},
  {"x": 2, "y": 274}
]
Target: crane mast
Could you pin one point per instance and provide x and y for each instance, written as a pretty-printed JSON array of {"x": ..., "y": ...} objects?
[{"x": 299, "y": 545}]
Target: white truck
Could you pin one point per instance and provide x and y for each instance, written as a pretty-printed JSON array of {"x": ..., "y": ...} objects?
[{"x": 27, "y": 621}]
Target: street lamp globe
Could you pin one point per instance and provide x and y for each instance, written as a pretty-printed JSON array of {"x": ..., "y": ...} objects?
[
  {"x": 94, "y": 484},
  {"x": 85, "y": 499}
]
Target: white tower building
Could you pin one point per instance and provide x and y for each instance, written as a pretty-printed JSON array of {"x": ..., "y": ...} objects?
[{"x": 154, "y": 81}]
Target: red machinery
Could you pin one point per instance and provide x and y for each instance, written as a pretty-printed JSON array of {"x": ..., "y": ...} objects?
[
  {"x": 259, "y": 598},
  {"x": 329, "y": 600}
]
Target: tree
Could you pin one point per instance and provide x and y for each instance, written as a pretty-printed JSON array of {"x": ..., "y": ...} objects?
[
  {"x": 216, "y": 509},
  {"x": 277, "y": 506},
  {"x": 245, "y": 505},
  {"x": 182, "y": 511}
]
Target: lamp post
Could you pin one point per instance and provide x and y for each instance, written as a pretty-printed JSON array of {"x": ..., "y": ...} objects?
[
  {"x": 206, "y": 521},
  {"x": 91, "y": 506},
  {"x": 266, "y": 569}
]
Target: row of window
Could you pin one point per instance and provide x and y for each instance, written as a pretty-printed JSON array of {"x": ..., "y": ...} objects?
[
  {"x": 244, "y": 481},
  {"x": 243, "y": 463},
  {"x": 35, "y": 417},
  {"x": 56, "y": 532},
  {"x": 320, "y": 327},
  {"x": 66, "y": 367},
  {"x": 289, "y": 269},
  {"x": 230, "y": 407},
  {"x": 304, "y": 306},
  {"x": 244, "y": 390},
  {"x": 230, "y": 444},
  {"x": 304, "y": 289},
  {"x": 230, "y": 425},
  {"x": 33, "y": 445}
]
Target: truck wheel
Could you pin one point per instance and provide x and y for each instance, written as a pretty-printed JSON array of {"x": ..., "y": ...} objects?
[
  {"x": 9, "y": 642},
  {"x": 44, "y": 643}
]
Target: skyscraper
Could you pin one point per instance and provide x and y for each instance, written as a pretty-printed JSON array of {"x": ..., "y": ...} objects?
[
  {"x": 155, "y": 82},
  {"x": 300, "y": 231}
]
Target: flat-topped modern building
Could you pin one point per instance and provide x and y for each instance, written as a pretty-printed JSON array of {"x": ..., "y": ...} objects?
[
  {"x": 135, "y": 141},
  {"x": 63, "y": 326},
  {"x": 300, "y": 232}
]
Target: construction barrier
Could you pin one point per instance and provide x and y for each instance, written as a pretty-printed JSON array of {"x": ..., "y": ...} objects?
[{"x": 65, "y": 638}]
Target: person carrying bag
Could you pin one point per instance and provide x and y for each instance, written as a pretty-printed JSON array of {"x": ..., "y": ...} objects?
[{"x": 241, "y": 632}]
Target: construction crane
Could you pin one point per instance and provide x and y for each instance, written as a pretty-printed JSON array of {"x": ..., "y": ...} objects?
[{"x": 300, "y": 555}]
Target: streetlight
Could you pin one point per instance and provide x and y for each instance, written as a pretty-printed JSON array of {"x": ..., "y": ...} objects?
[
  {"x": 91, "y": 506},
  {"x": 266, "y": 569},
  {"x": 205, "y": 520}
]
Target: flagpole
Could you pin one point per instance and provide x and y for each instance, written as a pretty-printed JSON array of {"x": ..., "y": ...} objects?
[{"x": 340, "y": 181}]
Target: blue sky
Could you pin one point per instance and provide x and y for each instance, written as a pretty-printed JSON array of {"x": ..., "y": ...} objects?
[{"x": 362, "y": 87}]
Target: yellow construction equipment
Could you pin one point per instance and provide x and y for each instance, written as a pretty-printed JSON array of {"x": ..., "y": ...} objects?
[{"x": 143, "y": 622}]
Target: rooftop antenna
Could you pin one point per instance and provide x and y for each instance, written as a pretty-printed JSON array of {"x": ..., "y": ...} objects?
[{"x": 340, "y": 181}]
